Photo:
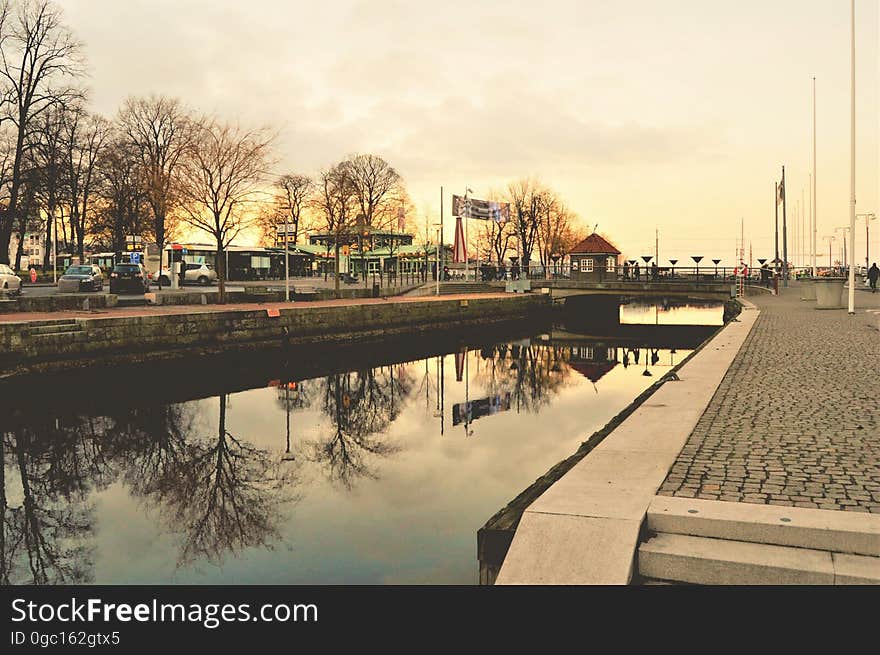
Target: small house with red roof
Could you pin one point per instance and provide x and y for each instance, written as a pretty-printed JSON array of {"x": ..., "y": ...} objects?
[{"x": 594, "y": 260}]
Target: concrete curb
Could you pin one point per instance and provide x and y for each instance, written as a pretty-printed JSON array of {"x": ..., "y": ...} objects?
[{"x": 585, "y": 528}]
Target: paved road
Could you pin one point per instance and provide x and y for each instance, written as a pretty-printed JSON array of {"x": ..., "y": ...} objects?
[{"x": 796, "y": 420}]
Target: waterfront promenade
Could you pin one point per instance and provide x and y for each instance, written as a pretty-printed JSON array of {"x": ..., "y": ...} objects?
[
  {"x": 796, "y": 419},
  {"x": 759, "y": 464}
]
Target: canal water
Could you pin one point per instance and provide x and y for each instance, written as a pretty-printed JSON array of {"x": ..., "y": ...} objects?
[{"x": 365, "y": 465}]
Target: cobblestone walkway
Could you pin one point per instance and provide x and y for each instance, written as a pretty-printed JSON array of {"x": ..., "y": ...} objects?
[{"x": 796, "y": 420}]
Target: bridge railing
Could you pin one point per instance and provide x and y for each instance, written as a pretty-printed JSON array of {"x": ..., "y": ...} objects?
[{"x": 690, "y": 274}]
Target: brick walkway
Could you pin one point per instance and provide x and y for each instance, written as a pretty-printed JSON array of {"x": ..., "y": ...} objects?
[{"x": 796, "y": 420}]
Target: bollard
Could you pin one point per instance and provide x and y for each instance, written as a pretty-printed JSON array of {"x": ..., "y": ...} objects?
[
  {"x": 86, "y": 305},
  {"x": 775, "y": 285}
]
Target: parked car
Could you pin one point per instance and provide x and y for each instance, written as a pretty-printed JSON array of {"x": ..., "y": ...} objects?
[
  {"x": 9, "y": 281},
  {"x": 203, "y": 274},
  {"x": 129, "y": 278},
  {"x": 81, "y": 277}
]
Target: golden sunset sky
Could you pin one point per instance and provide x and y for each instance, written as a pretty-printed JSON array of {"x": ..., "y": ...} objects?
[{"x": 644, "y": 114}]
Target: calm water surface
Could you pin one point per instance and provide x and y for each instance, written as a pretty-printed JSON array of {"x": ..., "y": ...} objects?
[{"x": 378, "y": 474}]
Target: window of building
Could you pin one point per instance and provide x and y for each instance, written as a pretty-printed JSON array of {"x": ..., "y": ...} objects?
[
  {"x": 587, "y": 265},
  {"x": 610, "y": 264}
]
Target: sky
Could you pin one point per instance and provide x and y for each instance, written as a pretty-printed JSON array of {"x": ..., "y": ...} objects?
[{"x": 649, "y": 118}]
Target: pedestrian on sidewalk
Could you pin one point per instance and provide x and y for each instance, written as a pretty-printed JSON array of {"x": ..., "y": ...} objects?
[
  {"x": 182, "y": 271},
  {"x": 873, "y": 274}
]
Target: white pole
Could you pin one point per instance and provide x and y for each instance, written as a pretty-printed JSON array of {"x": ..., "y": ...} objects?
[
  {"x": 286, "y": 261},
  {"x": 810, "y": 226},
  {"x": 814, "y": 178},
  {"x": 437, "y": 260},
  {"x": 467, "y": 213},
  {"x": 852, "y": 162}
]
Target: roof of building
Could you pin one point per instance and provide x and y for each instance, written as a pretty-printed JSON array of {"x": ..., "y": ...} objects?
[{"x": 594, "y": 244}]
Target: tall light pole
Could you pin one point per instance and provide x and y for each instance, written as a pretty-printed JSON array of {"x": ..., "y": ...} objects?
[
  {"x": 813, "y": 207},
  {"x": 852, "y": 162}
]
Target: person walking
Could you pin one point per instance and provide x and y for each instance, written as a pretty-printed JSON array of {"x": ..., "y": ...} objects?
[
  {"x": 182, "y": 271},
  {"x": 873, "y": 274}
]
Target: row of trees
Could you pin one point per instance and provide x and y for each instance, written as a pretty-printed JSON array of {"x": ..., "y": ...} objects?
[{"x": 158, "y": 168}]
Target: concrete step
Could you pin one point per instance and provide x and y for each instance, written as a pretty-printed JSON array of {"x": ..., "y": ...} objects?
[
  {"x": 702, "y": 560},
  {"x": 131, "y": 302},
  {"x": 43, "y": 330},
  {"x": 465, "y": 287},
  {"x": 836, "y": 531}
]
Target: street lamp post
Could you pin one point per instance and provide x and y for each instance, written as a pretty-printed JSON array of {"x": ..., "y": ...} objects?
[
  {"x": 647, "y": 259},
  {"x": 716, "y": 262},
  {"x": 868, "y": 218},
  {"x": 844, "y": 230},
  {"x": 673, "y": 262},
  {"x": 831, "y": 239},
  {"x": 697, "y": 259}
]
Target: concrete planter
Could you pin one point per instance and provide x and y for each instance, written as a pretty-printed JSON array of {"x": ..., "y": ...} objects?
[
  {"x": 808, "y": 289},
  {"x": 829, "y": 292}
]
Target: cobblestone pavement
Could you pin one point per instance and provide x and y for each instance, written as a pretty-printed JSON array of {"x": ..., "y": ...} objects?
[{"x": 796, "y": 419}]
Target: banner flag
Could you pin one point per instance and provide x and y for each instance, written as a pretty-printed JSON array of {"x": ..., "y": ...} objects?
[{"x": 483, "y": 210}]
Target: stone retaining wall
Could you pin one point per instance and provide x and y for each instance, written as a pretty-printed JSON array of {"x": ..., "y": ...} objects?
[
  {"x": 58, "y": 302},
  {"x": 27, "y": 348}
]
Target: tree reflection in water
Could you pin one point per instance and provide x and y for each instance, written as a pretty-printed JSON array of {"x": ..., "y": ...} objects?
[
  {"x": 48, "y": 470},
  {"x": 361, "y": 405},
  {"x": 221, "y": 494},
  {"x": 532, "y": 373}
]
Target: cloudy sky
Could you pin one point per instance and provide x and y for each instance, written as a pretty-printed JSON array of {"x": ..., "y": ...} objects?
[{"x": 673, "y": 116}]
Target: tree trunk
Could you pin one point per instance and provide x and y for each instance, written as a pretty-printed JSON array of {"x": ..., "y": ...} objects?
[
  {"x": 221, "y": 276},
  {"x": 336, "y": 269}
]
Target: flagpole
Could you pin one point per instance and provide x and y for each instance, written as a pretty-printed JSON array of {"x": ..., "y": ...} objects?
[
  {"x": 439, "y": 259},
  {"x": 776, "y": 210},
  {"x": 852, "y": 162},
  {"x": 286, "y": 260}
]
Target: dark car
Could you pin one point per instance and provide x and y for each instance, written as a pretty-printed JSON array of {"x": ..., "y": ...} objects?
[
  {"x": 129, "y": 278},
  {"x": 81, "y": 277}
]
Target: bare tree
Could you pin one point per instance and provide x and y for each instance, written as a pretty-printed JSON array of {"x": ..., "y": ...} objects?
[
  {"x": 160, "y": 130},
  {"x": 123, "y": 198},
  {"x": 48, "y": 157},
  {"x": 377, "y": 188},
  {"x": 555, "y": 236},
  {"x": 36, "y": 51},
  {"x": 527, "y": 198},
  {"x": 84, "y": 136},
  {"x": 337, "y": 205},
  {"x": 293, "y": 193},
  {"x": 220, "y": 179}
]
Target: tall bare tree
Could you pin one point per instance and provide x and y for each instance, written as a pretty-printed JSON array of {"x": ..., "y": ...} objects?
[
  {"x": 38, "y": 53},
  {"x": 221, "y": 179},
  {"x": 84, "y": 136},
  {"x": 377, "y": 188},
  {"x": 48, "y": 156},
  {"x": 527, "y": 198},
  {"x": 292, "y": 196},
  {"x": 161, "y": 131},
  {"x": 123, "y": 198},
  {"x": 336, "y": 204}
]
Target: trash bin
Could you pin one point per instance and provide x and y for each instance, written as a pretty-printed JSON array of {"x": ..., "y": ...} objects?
[
  {"x": 375, "y": 290},
  {"x": 829, "y": 292}
]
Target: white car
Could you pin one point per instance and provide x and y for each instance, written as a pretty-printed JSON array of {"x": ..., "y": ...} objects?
[
  {"x": 9, "y": 281},
  {"x": 203, "y": 274}
]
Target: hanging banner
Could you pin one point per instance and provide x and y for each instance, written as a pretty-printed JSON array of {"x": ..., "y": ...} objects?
[
  {"x": 482, "y": 210},
  {"x": 459, "y": 251}
]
